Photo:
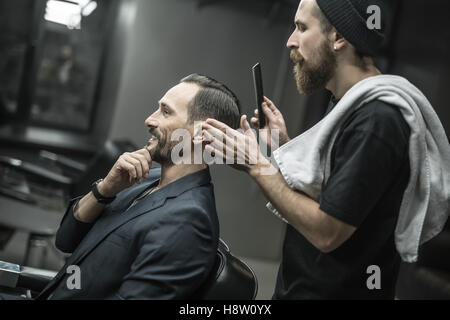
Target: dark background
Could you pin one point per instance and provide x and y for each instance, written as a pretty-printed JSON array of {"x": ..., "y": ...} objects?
[{"x": 129, "y": 52}]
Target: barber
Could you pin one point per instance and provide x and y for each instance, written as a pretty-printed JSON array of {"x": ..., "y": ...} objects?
[{"x": 330, "y": 244}]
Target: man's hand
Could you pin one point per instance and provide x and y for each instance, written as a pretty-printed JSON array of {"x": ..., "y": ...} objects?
[
  {"x": 274, "y": 121},
  {"x": 129, "y": 169}
]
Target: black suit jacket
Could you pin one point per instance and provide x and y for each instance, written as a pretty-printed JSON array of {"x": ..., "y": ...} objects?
[{"x": 162, "y": 248}]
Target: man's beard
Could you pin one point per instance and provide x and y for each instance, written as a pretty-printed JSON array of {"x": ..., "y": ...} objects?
[
  {"x": 311, "y": 78},
  {"x": 162, "y": 152}
]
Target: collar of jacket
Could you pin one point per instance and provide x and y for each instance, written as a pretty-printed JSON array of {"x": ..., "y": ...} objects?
[{"x": 172, "y": 190}]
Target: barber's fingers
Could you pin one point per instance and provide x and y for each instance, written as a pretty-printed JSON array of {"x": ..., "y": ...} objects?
[
  {"x": 219, "y": 141},
  {"x": 255, "y": 120},
  {"x": 219, "y": 149},
  {"x": 217, "y": 153},
  {"x": 219, "y": 131},
  {"x": 234, "y": 154},
  {"x": 241, "y": 148},
  {"x": 213, "y": 134},
  {"x": 246, "y": 127},
  {"x": 268, "y": 112},
  {"x": 244, "y": 123},
  {"x": 215, "y": 125},
  {"x": 271, "y": 105}
]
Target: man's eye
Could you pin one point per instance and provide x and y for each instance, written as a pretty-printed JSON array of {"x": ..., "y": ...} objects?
[
  {"x": 166, "y": 111},
  {"x": 301, "y": 27}
]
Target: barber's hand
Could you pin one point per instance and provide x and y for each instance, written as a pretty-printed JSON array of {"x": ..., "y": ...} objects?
[
  {"x": 129, "y": 169},
  {"x": 274, "y": 120},
  {"x": 238, "y": 149}
]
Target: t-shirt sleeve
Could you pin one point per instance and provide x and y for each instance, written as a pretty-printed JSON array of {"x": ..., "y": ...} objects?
[{"x": 367, "y": 158}]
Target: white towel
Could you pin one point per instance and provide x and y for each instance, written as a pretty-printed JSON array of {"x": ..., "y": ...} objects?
[{"x": 304, "y": 162}]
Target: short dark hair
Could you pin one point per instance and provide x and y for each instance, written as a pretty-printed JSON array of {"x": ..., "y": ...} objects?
[{"x": 213, "y": 100}]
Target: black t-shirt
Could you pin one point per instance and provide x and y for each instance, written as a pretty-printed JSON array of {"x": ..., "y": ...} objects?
[{"x": 369, "y": 173}]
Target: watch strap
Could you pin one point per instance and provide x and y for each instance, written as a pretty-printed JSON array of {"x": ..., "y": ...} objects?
[{"x": 100, "y": 198}]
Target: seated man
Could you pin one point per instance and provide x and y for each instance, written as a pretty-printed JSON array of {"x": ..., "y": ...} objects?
[{"x": 144, "y": 234}]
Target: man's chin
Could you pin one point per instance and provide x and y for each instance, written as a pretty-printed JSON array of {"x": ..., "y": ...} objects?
[{"x": 156, "y": 155}]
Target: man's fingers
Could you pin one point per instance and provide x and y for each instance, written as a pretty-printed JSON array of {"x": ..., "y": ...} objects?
[
  {"x": 143, "y": 162},
  {"x": 146, "y": 153},
  {"x": 124, "y": 165},
  {"x": 137, "y": 165}
]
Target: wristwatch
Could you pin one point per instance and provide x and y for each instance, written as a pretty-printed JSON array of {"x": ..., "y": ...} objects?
[{"x": 98, "y": 196}]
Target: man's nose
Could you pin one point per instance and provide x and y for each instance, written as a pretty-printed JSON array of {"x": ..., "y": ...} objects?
[
  {"x": 151, "y": 122},
  {"x": 292, "y": 43}
]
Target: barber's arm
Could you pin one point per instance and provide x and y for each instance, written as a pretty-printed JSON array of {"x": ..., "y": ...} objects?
[
  {"x": 322, "y": 230},
  {"x": 129, "y": 169}
]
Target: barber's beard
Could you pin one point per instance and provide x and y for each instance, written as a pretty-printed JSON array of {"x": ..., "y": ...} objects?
[{"x": 309, "y": 77}]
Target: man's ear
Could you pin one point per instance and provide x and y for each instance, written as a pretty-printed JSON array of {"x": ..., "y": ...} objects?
[
  {"x": 338, "y": 41},
  {"x": 197, "y": 129}
]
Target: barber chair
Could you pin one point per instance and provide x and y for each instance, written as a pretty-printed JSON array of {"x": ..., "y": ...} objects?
[
  {"x": 429, "y": 277},
  {"x": 230, "y": 279}
]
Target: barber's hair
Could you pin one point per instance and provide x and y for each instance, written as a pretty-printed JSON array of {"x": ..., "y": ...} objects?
[{"x": 214, "y": 100}]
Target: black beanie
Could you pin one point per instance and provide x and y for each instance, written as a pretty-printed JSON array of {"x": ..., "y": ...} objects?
[{"x": 349, "y": 17}]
